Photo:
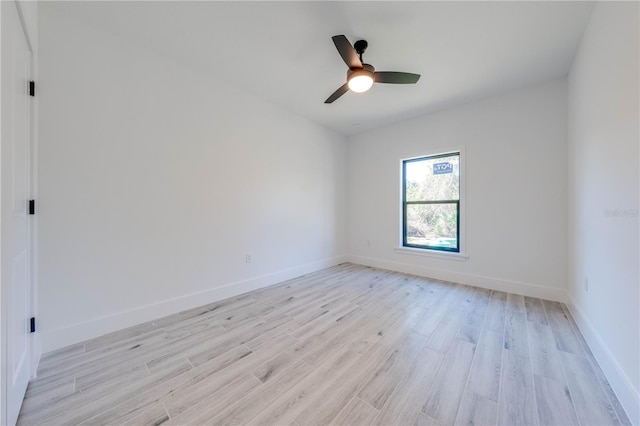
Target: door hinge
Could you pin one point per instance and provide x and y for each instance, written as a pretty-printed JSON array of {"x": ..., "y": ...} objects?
[
  {"x": 32, "y": 88},
  {"x": 32, "y": 324},
  {"x": 32, "y": 206}
]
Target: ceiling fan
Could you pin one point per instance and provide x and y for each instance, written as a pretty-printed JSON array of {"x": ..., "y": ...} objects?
[{"x": 361, "y": 76}]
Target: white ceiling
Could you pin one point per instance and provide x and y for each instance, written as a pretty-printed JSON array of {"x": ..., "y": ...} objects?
[{"x": 282, "y": 51}]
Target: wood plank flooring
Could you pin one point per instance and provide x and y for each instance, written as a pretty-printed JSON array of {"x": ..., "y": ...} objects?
[{"x": 348, "y": 345}]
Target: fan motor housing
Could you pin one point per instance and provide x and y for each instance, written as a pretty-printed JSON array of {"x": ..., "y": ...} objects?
[{"x": 366, "y": 69}]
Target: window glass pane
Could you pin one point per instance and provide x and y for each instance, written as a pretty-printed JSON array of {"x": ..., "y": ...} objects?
[
  {"x": 434, "y": 225},
  {"x": 433, "y": 179}
]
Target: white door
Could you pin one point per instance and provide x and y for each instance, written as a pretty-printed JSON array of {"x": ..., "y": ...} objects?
[{"x": 15, "y": 256}]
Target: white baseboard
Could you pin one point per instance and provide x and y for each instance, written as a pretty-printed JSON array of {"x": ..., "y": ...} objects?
[
  {"x": 525, "y": 289},
  {"x": 61, "y": 337},
  {"x": 628, "y": 396}
]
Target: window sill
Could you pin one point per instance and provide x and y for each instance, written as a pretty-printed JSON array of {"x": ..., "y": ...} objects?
[{"x": 460, "y": 257}]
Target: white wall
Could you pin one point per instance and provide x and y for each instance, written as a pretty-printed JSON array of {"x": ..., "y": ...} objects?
[
  {"x": 516, "y": 155},
  {"x": 603, "y": 209},
  {"x": 155, "y": 180}
]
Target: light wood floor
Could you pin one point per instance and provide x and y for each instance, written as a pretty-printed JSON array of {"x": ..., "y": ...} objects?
[{"x": 346, "y": 345}]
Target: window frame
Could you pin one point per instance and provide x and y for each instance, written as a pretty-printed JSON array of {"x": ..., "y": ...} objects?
[{"x": 433, "y": 251}]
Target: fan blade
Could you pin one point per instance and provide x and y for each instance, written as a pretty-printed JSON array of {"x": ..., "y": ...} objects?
[
  {"x": 341, "y": 91},
  {"x": 346, "y": 50},
  {"x": 395, "y": 77}
]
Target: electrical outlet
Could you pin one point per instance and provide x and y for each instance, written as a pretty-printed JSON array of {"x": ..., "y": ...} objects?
[
  {"x": 248, "y": 258},
  {"x": 586, "y": 285}
]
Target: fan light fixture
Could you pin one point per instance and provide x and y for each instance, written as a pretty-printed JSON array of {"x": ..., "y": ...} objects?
[{"x": 361, "y": 82}]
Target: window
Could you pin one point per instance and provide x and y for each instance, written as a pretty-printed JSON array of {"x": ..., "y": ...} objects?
[{"x": 431, "y": 202}]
